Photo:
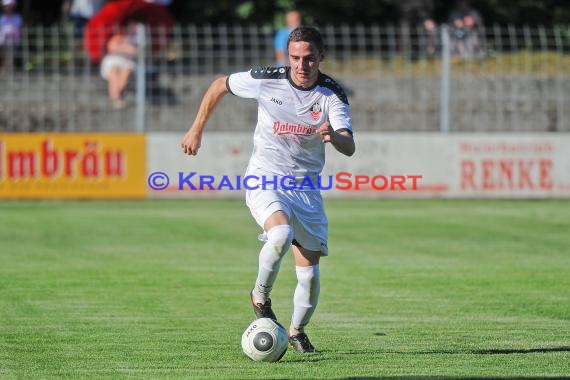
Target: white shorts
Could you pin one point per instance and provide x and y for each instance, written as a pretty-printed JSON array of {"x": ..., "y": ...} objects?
[
  {"x": 115, "y": 60},
  {"x": 305, "y": 210}
]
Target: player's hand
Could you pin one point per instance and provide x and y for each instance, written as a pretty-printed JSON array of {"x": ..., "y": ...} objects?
[
  {"x": 191, "y": 142},
  {"x": 326, "y": 131}
]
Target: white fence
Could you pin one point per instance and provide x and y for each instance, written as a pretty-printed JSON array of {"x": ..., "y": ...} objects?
[{"x": 506, "y": 79}]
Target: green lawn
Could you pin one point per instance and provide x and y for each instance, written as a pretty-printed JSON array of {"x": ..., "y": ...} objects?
[{"x": 159, "y": 289}]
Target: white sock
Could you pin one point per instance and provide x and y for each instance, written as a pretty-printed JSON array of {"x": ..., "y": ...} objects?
[
  {"x": 278, "y": 242},
  {"x": 306, "y": 297}
]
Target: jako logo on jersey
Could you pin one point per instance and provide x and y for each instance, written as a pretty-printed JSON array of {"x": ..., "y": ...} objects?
[
  {"x": 294, "y": 129},
  {"x": 316, "y": 111},
  {"x": 277, "y": 101}
]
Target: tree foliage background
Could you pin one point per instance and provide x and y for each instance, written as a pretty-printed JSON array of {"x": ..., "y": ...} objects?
[
  {"x": 322, "y": 12},
  {"x": 270, "y": 13}
]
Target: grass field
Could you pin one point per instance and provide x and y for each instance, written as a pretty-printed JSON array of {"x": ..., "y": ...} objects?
[{"x": 159, "y": 289}]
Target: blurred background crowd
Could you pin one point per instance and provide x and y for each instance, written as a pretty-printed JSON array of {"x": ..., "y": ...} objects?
[
  {"x": 65, "y": 63},
  {"x": 270, "y": 13}
]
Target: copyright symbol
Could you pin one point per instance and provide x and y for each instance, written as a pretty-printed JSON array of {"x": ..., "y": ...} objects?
[{"x": 158, "y": 181}]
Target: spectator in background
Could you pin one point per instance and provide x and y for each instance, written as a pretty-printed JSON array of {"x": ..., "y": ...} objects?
[
  {"x": 417, "y": 23},
  {"x": 119, "y": 63},
  {"x": 293, "y": 19},
  {"x": 81, "y": 12},
  {"x": 10, "y": 33},
  {"x": 160, "y": 2},
  {"x": 466, "y": 23}
]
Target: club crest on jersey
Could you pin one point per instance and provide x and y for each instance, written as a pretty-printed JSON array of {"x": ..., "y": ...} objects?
[{"x": 316, "y": 111}]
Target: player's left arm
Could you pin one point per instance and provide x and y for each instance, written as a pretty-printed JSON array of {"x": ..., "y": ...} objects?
[
  {"x": 337, "y": 130},
  {"x": 341, "y": 139}
]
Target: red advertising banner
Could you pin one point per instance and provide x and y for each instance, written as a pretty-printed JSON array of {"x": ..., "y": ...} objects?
[{"x": 93, "y": 166}]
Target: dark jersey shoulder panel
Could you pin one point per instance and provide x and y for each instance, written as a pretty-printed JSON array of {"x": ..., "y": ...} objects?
[
  {"x": 327, "y": 82},
  {"x": 265, "y": 72},
  {"x": 269, "y": 72}
]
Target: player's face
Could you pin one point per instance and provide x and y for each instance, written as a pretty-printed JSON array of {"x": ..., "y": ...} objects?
[{"x": 305, "y": 60}]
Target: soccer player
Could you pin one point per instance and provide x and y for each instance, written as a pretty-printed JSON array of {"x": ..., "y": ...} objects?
[{"x": 300, "y": 110}]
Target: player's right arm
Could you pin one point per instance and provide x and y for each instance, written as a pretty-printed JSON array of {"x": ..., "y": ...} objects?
[{"x": 192, "y": 139}]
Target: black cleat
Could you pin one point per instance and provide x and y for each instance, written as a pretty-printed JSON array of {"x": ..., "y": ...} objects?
[
  {"x": 301, "y": 343},
  {"x": 263, "y": 310}
]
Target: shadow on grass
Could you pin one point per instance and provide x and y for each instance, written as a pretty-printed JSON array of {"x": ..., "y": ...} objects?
[
  {"x": 295, "y": 357},
  {"x": 521, "y": 351},
  {"x": 493, "y": 351},
  {"x": 499, "y": 351},
  {"x": 447, "y": 378}
]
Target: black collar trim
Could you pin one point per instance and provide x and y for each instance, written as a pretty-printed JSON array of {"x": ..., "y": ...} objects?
[{"x": 299, "y": 87}]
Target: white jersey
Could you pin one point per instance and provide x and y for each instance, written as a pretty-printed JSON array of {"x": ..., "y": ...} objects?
[{"x": 285, "y": 138}]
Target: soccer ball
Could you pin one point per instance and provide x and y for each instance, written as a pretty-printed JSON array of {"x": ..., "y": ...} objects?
[{"x": 264, "y": 340}]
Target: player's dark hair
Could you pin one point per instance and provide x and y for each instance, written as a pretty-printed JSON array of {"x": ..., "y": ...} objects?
[{"x": 307, "y": 34}]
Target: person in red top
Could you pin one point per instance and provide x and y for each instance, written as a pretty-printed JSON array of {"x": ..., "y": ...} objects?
[
  {"x": 466, "y": 24},
  {"x": 118, "y": 64}
]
